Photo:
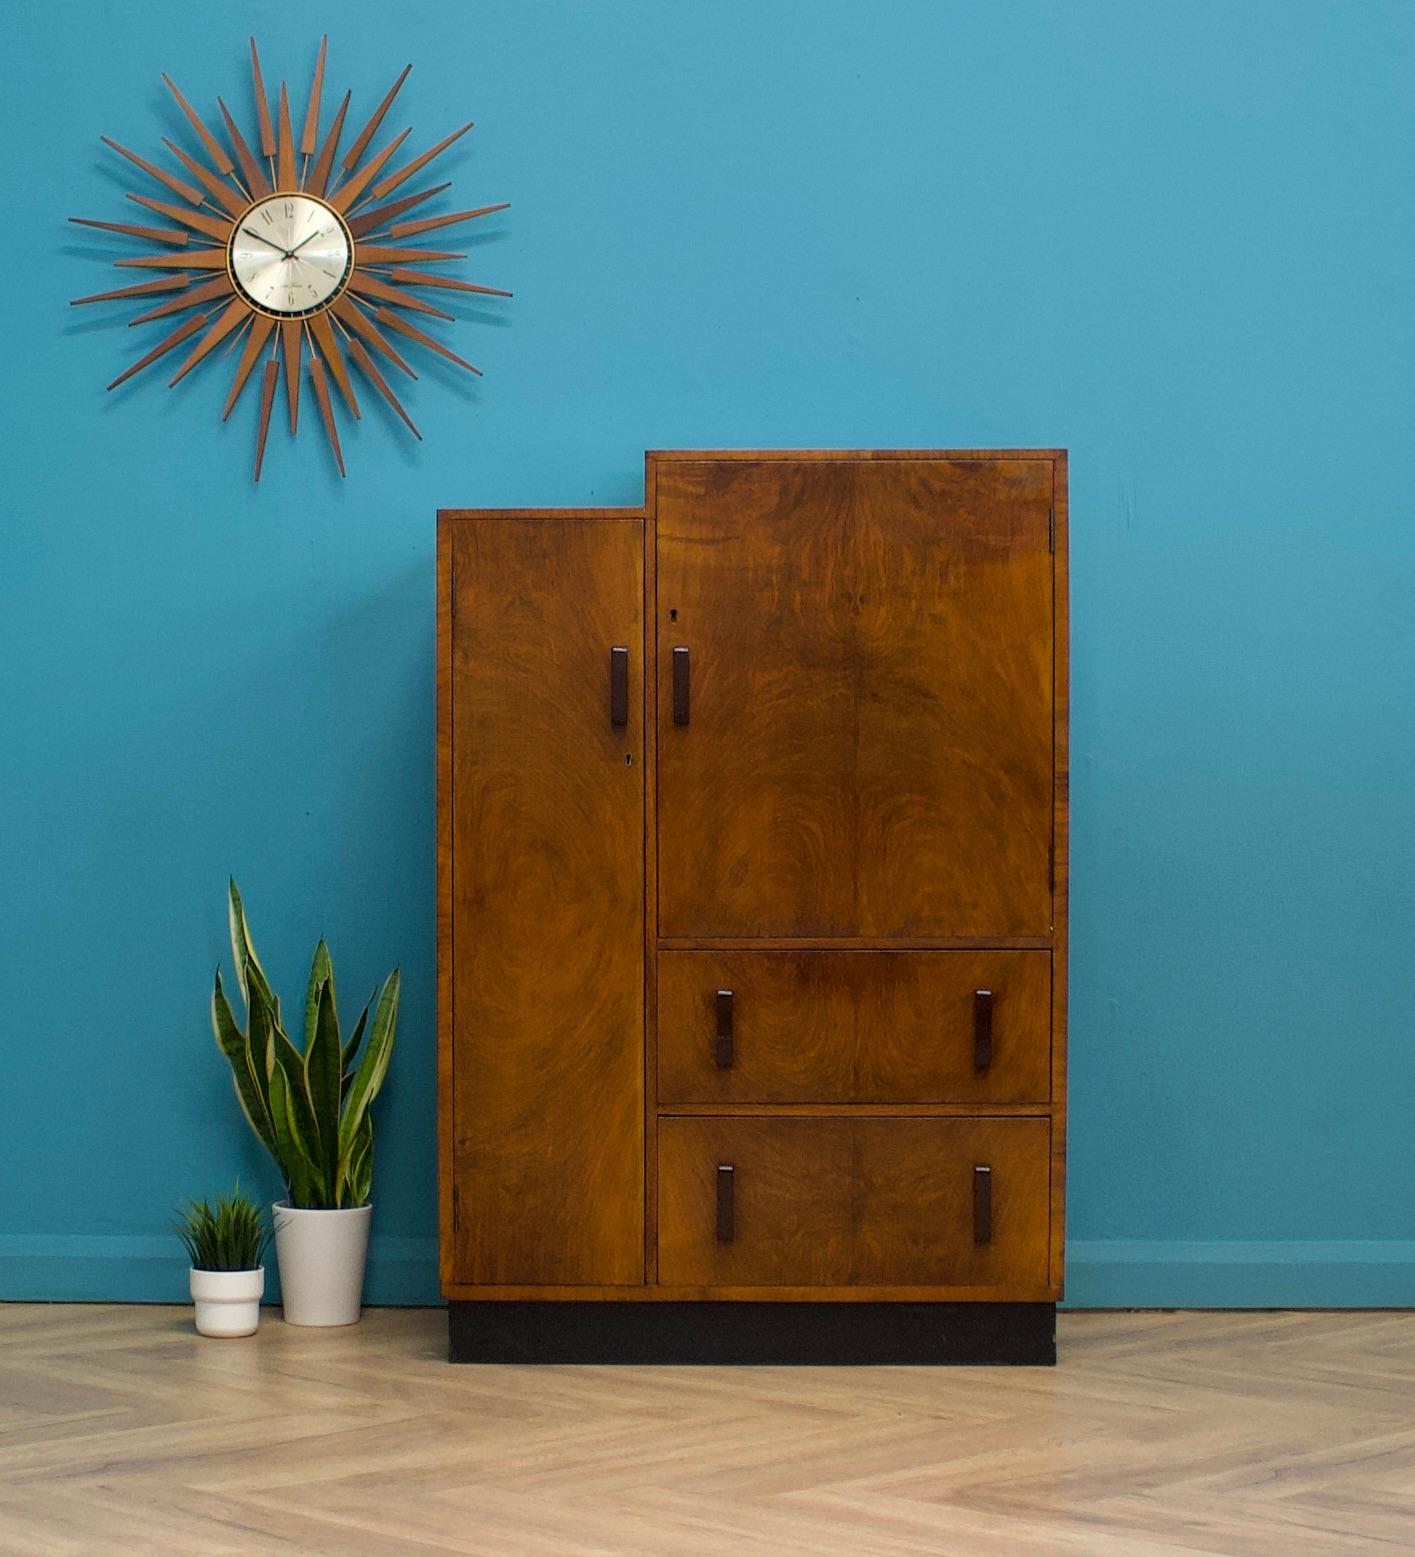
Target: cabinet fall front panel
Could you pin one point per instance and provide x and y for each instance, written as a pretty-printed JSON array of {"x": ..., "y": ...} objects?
[
  {"x": 546, "y": 823},
  {"x": 855, "y": 698}
]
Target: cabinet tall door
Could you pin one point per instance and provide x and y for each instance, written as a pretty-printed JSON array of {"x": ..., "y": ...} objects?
[
  {"x": 547, "y": 819},
  {"x": 855, "y": 685}
]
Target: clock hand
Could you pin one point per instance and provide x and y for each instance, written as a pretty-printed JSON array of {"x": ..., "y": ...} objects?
[
  {"x": 266, "y": 241},
  {"x": 323, "y": 232}
]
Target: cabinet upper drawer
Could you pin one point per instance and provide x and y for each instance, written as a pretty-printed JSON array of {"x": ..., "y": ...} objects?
[
  {"x": 854, "y": 1027},
  {"x": 830, "y": 1201}
]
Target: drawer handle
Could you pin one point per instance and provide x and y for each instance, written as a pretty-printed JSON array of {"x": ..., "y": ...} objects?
[
  {"x": 982, "y": 1029},
  {"x": 722, "y": 1043},
  {"x": 726, "y": 1218},
  {"x": 680, "y": 686},
  {"x": 619, "y": 686},
  {"x": 982, "y": 1204}
]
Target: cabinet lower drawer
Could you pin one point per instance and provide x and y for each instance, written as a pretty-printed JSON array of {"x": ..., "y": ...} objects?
[
  {"x": 854, "y": 1027},
  {"x": 832, "y": 1201}
]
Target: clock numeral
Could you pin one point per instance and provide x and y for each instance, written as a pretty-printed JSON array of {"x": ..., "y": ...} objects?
[{"x": 267, "y": 215}]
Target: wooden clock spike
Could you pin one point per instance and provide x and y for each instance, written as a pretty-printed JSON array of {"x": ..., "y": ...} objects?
[
  {"x": 432, "y": 223},
  {"x": 318, "y": 180},
  {"x": 193, "y": 259},
  {"x": 177, "y": 185},
  {"x": 174, "y": 339},
  {"x": 267, "y": 399},
  {"x": 214, "y": 148},
  {"x": 208, "y": 291},
  {"x": 255, "y": 176},
  {"x": 323, "y": 332},
  {"x": 210, "y": 225},
  {"x": 232, "y": 315},
  {"x": 371, "y": 286},
  {"x": 285, "y": 173},
  {"x": 261, "y": 326},
  {"x": 326, "y": 411},
  {"x": 223, "y": 194},
  {"x": 416, "y": 278},
  {"x": 149, "y": 234},
  {"x": 388, "y": 185},
  {"x": 350, "y": 190},
  {"x": 375, "y": 254},
  {"x": 262, "y": 107},
  {"x": 369, "y": 369},
  {"x": 310, "y": 134},
  {"x": 374, "y": 218},
  {"x": 387, "y": 317},
  {"x": 292, "y": 346},
  {"x": 349, "y": 312},
  {"x": 143, "y": 289},
  {"x": 368, "y": 132}
]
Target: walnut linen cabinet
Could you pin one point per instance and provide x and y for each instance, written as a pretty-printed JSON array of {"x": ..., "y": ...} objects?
[{"x": 752, "y": 913}]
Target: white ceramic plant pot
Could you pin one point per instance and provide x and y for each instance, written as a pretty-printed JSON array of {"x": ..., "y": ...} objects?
[
  {"x": 227, "y": 1301},
  {"x": 322, "y": 1255}
]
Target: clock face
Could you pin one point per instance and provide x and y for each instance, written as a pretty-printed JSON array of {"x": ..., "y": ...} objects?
[{"x": 290, "y": 255}]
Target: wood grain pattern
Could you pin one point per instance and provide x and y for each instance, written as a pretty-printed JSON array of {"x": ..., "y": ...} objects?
[
  {"x": 385, "y": 186},
  {"x": 267, "y": 400},
  {"x": 323, "y": 333},
  {"x": 309, "y": 135},
  {"x": 261, "y": 326},
  {"x": 210, "y": 225},
  {"x": 369, "y": 369},
  {"x": 292, "y": 345},
  {"x": 129, "y": 230},
  {"x": 319, "y": 380},
  {"x": 844, "y": 1201},
  {"x": 262, "y": 105},
  {"x": 853, "y": 1027},
  {"x": 257, "y": 181},
  {"x": 214, "y": 149},
  {"x": 362, "y": 139},
  {"x": 1160, "y": 1435},
  {"x": 318, "y": 181},
  {"x": 547, "y": 913},
  {"x": 349, "y": 313},
  {"x": 217, "y": 286},
  {"x": 225, "y": 195},
  {"x": 869, "y": 751},
  {"x": 375, "y": 217}
]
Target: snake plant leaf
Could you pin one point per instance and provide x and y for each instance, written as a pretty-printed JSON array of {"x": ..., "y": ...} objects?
[
  {"x": 351, "y": 1048},
  {"x": 323, "y": 1074},
  {"x": 372, "y": 1069},
  {"x": 294, "y": 1160},
  {"x": 290, "y": 1062},
  {"x": 247, "y": 1074},
  {"x": 321, "y": 972},
  {"x": 360, "y": 1180},
  {"x": 248, "y": 969}
]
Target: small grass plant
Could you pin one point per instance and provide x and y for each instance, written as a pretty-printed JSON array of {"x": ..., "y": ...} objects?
[{"x": 229, "y": 1235}]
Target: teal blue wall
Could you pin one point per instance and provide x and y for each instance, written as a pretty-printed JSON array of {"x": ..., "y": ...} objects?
[{"x": 1176, "y": 238}]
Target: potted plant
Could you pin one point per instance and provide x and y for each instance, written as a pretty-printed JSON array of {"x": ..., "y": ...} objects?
[
  {"x": 226, "y": 1244},
  {"x": 309, "y": 1107}
]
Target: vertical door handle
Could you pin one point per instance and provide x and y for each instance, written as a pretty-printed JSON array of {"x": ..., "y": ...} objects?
[
  {"x": 982, "y": 1029},
  {"x": 982, "y": 1203},
  {"x": 726, "y": 1217},
  {"x": 722, "y": 1042},
  {"x": 680, "y": 686},
  {"x": 619, "y": 686}
]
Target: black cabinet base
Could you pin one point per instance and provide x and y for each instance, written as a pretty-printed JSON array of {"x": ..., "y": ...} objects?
[{"x": 808, "y": 1333}]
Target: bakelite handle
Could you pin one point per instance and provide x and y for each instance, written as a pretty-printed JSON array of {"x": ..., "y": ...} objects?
[
  {"x": 982, "y": 1204},
  {"x": 726, "y": 1210},
  {"x": 722, "y": 1041},
  {"x": 982, "y": 1029},
  {"x": 680, "y": 686},
  {"x": 619, "y": 686}
]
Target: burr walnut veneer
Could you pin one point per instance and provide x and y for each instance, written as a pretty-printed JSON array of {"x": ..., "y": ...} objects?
[{"x": 752, "y": 912}]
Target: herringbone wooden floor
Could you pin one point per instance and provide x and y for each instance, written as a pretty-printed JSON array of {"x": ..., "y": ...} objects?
[{"x": 1275, "y": 1434}]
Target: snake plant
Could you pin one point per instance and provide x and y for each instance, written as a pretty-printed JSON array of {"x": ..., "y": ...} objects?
[{"x": 308, "y": 1107}]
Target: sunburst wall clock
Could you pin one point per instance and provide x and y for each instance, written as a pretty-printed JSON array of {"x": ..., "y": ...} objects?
[{"x": 294, "y": 253}]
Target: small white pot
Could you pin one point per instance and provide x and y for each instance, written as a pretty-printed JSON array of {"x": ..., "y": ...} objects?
[
  {"x": 322, "y": 1255},
  {"x": 227, "y": 1301}
]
